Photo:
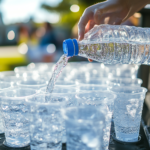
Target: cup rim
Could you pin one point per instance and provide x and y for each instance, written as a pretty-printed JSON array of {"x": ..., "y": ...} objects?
[
  {"x": 17, "y": 98},
  {"x": 144, "y": 90},
  {"x": 19, "y": 83},
  {"x": 98, "y": 91},
  {"x": 92, "y": 85},
  {"x": 86, "y": 79},
  {"x": 10, "y": 77},
  {"x": 135, "y": 79},
  {"x": 112, "y": 78},
  {"x": 45, "y": 103},
  {"x": 96, "y": 85},
  {"x": 40, "y": 90}
]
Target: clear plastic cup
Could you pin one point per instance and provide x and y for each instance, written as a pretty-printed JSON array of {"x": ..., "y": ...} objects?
[
  {"x": 32, "y": 83},
  {"x": 84, "y": 126},
  {"x": 16, "y": 121},
  {"x": 127, "y": 112},
  {"x": 3, "y": 86},
  {"x": 46, "y": 121},
  {"x": 99, "y": 99},
  {"x": 125, "y": 82},
  {"x": 60, "y": 89},
  {"x": 91, "y": 87},
  {"x": 70, "y": 93},
  {"x": 64, "y": 91}
]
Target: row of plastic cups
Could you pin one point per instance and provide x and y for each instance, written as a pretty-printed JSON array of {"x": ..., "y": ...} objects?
[
  {"x": 35, "y": 70},
  {"x": 86, "y": 64},
  {"x": 14, "y": 82},
  {"x": 73, "y": 70},
  {"x": 37, "y": 83},
  {"x": 92, "y": 95},
  {"x": 43, "y": 110},
  {"x": 110, "y": 81},
  {"x": 71, "y": 73},
  {"x": 40, "y": 67},
  {"x": 59, "y": 96},
  {"x": 86, "y": 69},
  {"x": 102, "y": 81},
  {"x": 34, "y": 83},
  {"x": 13, "y": 101},
  {"x": 25, "y": 74},
  {"x": 128, "y": 107},
  {"x": 131, "y": 69},
  {"x": 76, "y": 73},
  {"x": 96, "y": 70},
  {"x": 29, "y": 82}
]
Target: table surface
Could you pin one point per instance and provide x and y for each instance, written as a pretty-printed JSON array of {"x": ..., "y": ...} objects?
[{"x": 114, "y": 145}]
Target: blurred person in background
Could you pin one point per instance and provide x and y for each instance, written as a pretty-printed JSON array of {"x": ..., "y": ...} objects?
[
  {"x": 33, "y": 38},
  {"x": 48, "y": 35},
  {"x": 43, "y": 44},
  {"x": 112, "y": 12},
  {"x": 23, "y": 34}
]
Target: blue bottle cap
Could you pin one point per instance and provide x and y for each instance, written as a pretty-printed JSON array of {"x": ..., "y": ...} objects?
[{"x": 70, "y": 47}]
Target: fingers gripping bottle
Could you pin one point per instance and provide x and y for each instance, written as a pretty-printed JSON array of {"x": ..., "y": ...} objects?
[{"x": 112, "y": 44}]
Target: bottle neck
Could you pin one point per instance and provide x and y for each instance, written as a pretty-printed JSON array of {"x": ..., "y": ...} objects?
[{"x": 76, "y": 47}]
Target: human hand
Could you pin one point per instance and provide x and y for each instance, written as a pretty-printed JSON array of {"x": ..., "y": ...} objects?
[{"x": 109, "y": 12}]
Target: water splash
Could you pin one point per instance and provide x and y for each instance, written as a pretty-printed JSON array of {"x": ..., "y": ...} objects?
[{"x": 57, "y": 71}]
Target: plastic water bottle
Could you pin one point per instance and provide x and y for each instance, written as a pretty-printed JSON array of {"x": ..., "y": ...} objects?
[{"x": 112, "y": 44}]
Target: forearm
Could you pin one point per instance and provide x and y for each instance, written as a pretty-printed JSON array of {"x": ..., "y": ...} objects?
[
  {"x": 135, "y": 6},
  {"x": 109, "y": 12}
]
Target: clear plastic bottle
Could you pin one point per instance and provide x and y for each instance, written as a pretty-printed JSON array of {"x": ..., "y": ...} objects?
[{"x": 112, "y": 44}]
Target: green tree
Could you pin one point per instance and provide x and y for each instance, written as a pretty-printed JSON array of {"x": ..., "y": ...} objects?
[{"x": 63, "y": 8}]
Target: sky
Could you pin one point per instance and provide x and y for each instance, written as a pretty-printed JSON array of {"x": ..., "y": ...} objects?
[{"x": 21, "y": 10}]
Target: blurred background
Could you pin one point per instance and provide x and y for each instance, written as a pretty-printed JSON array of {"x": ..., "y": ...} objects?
[{"x": 33, "y": 31}]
